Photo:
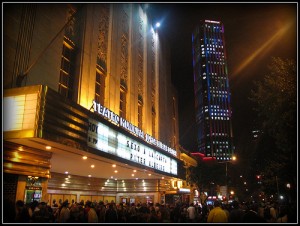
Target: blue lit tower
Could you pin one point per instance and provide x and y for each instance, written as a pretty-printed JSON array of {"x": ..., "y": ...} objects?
[{"x": 212, "y": 94}]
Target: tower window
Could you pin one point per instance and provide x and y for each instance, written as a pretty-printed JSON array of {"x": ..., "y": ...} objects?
[
  {"x": 66, "y": 80},
  {"x": 153, "y": 121},
  {"x": 122, "y": 103},
  {"x": 100, "y": 85},
  {"x": 140, "y": 114}
]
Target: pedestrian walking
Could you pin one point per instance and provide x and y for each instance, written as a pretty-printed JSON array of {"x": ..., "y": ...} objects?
[
  {"x": 217, "y": 214},
  {"x": 191, "y": 213}
]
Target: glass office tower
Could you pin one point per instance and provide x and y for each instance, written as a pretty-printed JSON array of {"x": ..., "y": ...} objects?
[{"x": 212, "y": 93}]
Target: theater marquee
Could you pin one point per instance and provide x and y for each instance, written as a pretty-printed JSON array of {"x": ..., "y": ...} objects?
[
  {"x": 119, "y": 121},
  {"x": 107, "y": 139}
]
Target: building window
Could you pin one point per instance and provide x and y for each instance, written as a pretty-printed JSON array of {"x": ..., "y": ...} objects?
[
  {"x": 140, "y": 114},
  {"x": 66, "y": 79},
  {"x": 174, "y": 108},
  {"x": 174, "y": 116},
  {"x": 174, "y": 126},
  {"x": 100, "y": 85},
  {"x": 153, "y": 121},
  {"x": 174, "y": 142},
  {"x": 122, "y": 103}
]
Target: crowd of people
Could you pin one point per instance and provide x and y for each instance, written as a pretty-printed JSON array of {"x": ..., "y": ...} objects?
[{"x": 100, "y": 212}]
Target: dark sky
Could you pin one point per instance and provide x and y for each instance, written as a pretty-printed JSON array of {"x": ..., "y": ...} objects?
[{"x": 254, "y": 32}]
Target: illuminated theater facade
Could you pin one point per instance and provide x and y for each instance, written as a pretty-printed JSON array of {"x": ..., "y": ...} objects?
[{"x": 89, "y": 109}]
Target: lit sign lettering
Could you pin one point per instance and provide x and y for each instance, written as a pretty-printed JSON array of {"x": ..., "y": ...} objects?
[
  {"x": 106, "y": 139},
  {"x": 212, "y": 21},
  {"x": 115, "y": 119},
  {"x": 184, "y": 190},
  {"x": 33, "y": 188}
]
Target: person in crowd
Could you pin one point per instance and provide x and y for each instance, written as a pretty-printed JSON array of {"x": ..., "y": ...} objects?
[
  {"x": 273, "y": 212},
  {"x": 81, "y": 212},
  {"x": 153, "y": 217},
  {"x": 225, "y": 207},
  {"x": 42, "y": 215},
  {"x": 122, "y": 213},
  {"x": 50, "y": 210},
  {"x": 111, "y": 215},
  {"x": 283, "y": 215},
  {"x": 217, "y": 214},
  {"x": 54, "y": 204},
  {"x": 261, "y": 208},
  {"x": 22, "y": 214},
  {"x": 101, "y": 209},
  {"x": 92, "y": 216},
  {"x": 143, "y": 213},
  {"x": 172, "y": 217},
  {"x": 236, "y": 213},
  {"x": 198, "y": 212},
  {"x": 176, "y": 212},
  {"x": 56, "y": 211},
  {"x": 183, "y": 213},
  {"x": 191, "y": 213},
  {"x": 292, "y": 209},
  {"x": 132, "y": 213},
  {"x": 270, "y": 213},
  {"x": 251, "y": 215},
  {"x": 74, "y": 214},
  {"x": 158, "y": 208},
  {"x": 165, "y": 213},
  {"x": 204, "y": 213},
  {"x": 33, "y": 207},
  {"x": 64, "y": 213}
]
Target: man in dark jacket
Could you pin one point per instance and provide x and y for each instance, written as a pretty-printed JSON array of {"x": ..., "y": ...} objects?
[
  {"x": 111, "y": 215},
  {"x": 236, "y": 214}
]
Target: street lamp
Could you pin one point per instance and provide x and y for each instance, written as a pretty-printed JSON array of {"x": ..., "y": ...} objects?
[
  {"x": 226, "y": 174},
  {"x": 288, "y": 185}
]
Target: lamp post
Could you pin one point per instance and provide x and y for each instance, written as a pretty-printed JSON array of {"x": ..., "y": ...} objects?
[
  {"x": 288, "y": 185},
  {"x": 226, "y": 177}
]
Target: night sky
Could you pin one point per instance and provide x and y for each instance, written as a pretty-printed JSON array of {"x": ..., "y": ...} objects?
[{"x": 254, "y": 32}]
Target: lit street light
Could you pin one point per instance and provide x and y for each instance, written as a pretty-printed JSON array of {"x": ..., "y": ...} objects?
[
  {"x": 288, "y": 185},
  {"x": 226, "y": 174}
]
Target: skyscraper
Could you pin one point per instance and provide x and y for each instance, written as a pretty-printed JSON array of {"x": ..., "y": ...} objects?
[{"x": 212, "y": 93}]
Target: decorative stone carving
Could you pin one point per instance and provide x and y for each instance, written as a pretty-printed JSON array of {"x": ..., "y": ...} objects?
[
  {"x": 124, "y": 47},
  {"x": 103, "y": 33}
]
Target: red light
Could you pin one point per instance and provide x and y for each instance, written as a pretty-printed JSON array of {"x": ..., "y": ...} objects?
[{"x": 197, "y": 153}]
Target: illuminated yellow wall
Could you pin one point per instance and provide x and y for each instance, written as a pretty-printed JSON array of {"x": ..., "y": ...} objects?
[{"x": 146, "y": 54}]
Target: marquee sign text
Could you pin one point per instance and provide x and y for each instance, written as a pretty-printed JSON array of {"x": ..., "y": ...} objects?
[
  {"x": 106, "y": 139},
  {"x": 117, "y": 120}
]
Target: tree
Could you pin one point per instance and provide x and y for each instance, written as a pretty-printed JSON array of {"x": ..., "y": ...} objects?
[{"x": 275, "y": 100}]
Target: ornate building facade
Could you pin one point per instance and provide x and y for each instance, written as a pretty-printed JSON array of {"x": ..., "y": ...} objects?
[{"x": 89, "y": 109}]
